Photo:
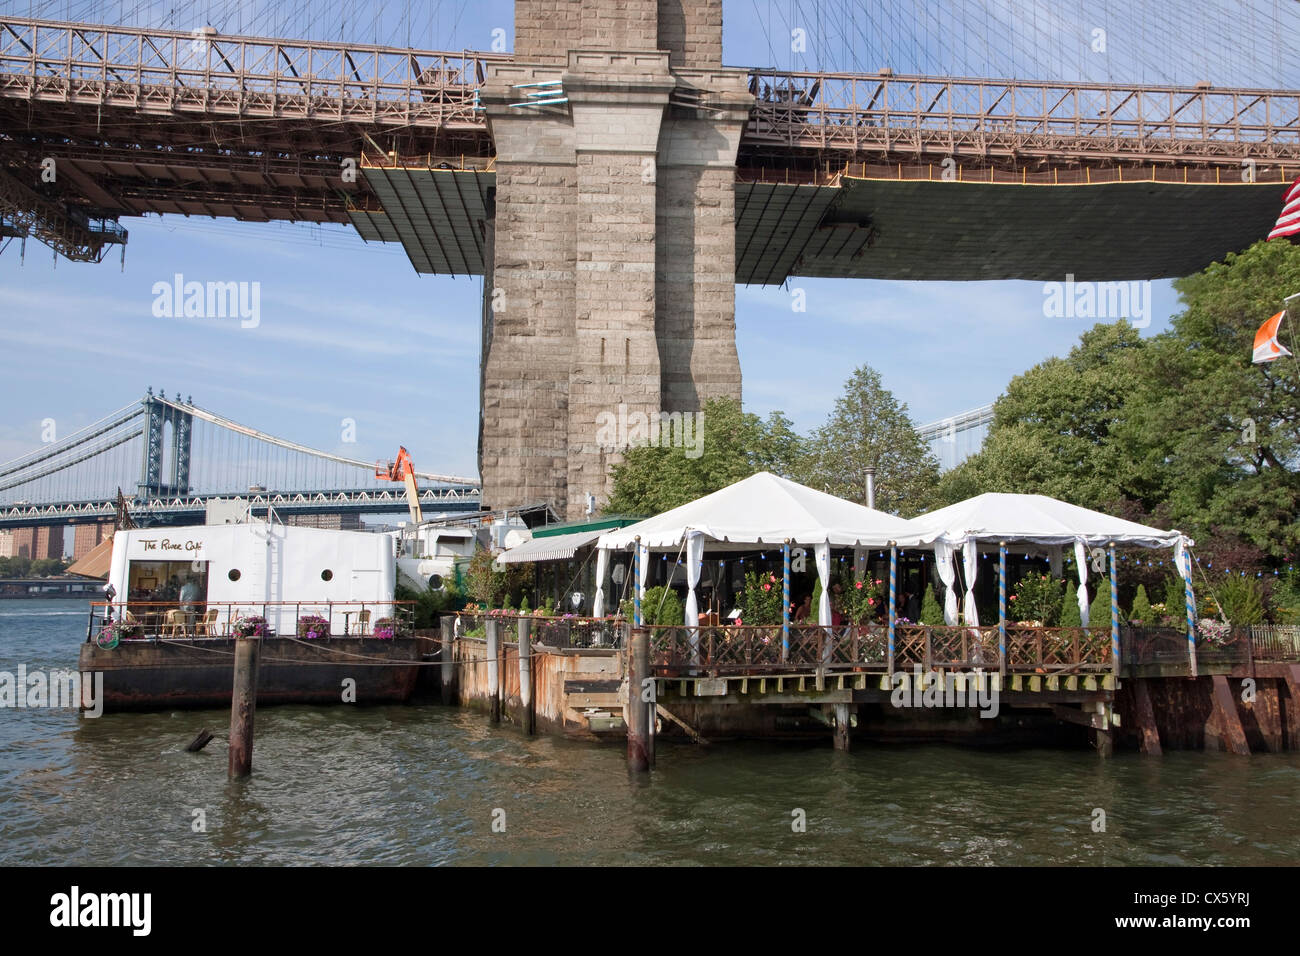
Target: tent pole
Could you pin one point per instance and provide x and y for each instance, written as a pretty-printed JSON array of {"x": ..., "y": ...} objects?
[
  {"x": 636, "y": 591},
  {"x": 1002, "y": 608},
  {"x": 1114, "y": 613},
  {"x": 1191, "y": 609},
  {"x": 785, "y": 600},
  {"x": 893, "y": 588}
]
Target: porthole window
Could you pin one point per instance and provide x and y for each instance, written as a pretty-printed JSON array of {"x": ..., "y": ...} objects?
[
  {"x": 327, "y": 575},
  {"x": 233, "y": 574},
  {"x": 435, "y": 582}
]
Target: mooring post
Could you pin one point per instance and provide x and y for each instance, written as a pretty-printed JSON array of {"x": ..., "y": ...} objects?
[
  {"x": 640, "y": 744},
  {"x": 526, "y": 676},
  {"x": 494, "y": 673},
  {"x": 243, "y": 704},
  {"x": 448, "y": 666},
  {"x": 841, "y": 726}
]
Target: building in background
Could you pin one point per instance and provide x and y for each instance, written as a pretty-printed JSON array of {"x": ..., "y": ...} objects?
[{"x": 89, "y": 535}]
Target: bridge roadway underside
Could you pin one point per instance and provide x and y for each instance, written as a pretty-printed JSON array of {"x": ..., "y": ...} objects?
[{"x": 889, "y": 229}]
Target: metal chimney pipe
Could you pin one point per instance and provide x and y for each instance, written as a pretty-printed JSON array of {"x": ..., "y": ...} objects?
[{"x": 871, "y": 486}]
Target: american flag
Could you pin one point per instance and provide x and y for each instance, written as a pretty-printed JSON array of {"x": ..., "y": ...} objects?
[{"x": 1288, "y": 224}]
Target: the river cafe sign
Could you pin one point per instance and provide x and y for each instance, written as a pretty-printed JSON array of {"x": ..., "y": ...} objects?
[{"x": 167, "y": 549}]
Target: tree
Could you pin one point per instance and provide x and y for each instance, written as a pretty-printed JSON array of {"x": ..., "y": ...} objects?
[
  {"x": 869, "y": 427},
  {"x": 1141, "y": 610},
  {"x": 1070, "y": 616},
  {"x": 735, "y": 445},
  {"x": 931, "y": 612},
  {"x": 1053, "y": 429},
  {"x": 1227, "y": 447},
  {"x": 1099, "y": 609}
]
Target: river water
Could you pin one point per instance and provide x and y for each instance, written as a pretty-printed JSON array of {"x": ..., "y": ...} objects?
[{"x": 423, "y": 784}]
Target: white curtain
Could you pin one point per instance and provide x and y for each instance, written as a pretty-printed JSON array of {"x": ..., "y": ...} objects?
[
  {"x": 823, "y": 555},
  {"x": 1081, "y": 559},
  {"x": 602, "y": 565},
  {"x": 694, "y": 560},
  {"x": 943, "y": 563},
  {"x": 1056, "y": 555},
  {"x": 970, "y": 565}
]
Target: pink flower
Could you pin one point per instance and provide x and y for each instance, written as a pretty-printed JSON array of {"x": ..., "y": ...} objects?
[
  {"x": 871, "y": 602},
  {"x": 767, "y": 587},
  {"x": 859, "y": 585}
]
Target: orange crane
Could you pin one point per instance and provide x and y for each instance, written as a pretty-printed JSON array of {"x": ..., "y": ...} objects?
[{"x": 403, "y": 470}]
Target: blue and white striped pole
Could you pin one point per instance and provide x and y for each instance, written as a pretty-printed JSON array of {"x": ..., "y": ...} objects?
[
  {"x": 893, "y": 587},
  {"x": 1191, "y": 609},
  {"x": 1002, "y": 607},
  {"x": 636, "y": 584},
  {"x": 785, "y": 600},
  {"x": 1114, "y": 612}
]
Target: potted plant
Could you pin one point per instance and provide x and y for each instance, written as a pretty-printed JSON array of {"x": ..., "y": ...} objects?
[
  {"x": 385, "y": 629},
  {"x": 312, "y": 626},
  {"x": 252, "y": 626}
]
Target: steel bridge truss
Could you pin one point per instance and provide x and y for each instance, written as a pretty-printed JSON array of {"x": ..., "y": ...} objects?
[{"x": 151, "y": 447}]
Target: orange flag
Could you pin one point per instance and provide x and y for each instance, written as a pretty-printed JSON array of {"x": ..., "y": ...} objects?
[{"x": 1267, "y": 347}]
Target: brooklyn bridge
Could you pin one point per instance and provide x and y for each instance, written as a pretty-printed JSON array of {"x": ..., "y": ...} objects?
[{"x": 613, "y": 181}]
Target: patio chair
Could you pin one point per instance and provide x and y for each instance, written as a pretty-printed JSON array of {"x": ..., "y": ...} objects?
[
  {"x": 173, "y": 623},
  {"x": 206, "y": 624},
  {"x": 363, "y": 622}
]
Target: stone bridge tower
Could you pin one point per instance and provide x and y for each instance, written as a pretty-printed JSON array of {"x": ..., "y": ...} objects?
[{"x": 611, "y": 256}]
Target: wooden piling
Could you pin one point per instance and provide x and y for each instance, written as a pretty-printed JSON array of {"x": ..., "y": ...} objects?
[
  {"x": 447, "y": 666},
  {"x": 494, "y": 672},
  {"x": 243, "y": 704},
  {"x": 1224, "y": 730},
  {"x": 640, "y": 744},
  {"x": 526, "y": 677},
  {"x": 1145, "y": 717},
  {"x": 842, "y": 727}
]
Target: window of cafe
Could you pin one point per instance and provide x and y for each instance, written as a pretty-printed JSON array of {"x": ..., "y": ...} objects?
[{"x": 160, "y": 586}]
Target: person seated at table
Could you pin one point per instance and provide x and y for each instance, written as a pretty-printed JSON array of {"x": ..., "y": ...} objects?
[
  {"x": 837, "y": 599},
  {"x": 804, "y": 611}
]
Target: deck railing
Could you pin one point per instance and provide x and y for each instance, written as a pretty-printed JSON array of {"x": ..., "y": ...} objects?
[
  {"x": 743, "y": 650},
  {"x": 158, "y": 620},
  {"x": 758, "y": 650},
  {"x": 558, "y": 632}
]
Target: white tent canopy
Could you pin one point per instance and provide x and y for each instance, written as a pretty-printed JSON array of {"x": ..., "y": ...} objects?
[
  {"x": 763, "y": 509},
  {"x": 1033, "y": 519}
]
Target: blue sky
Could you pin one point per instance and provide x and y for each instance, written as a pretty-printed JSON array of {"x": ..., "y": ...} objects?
[{"x": 349, "y": 331}]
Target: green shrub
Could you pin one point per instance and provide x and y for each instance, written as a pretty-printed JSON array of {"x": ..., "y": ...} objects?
[
  {"x": 1099, "y": 609},
  {"x": 1070, "y": 616},
  {"x": 931, "y": 610},
  {"x": 1241, "y": 599},
  {"x": 1286, "y": 599},
  {"x": 661, "y": 607},
  {"x": 760, "y": 602},
  {"x": 1037, "y": 598},
  {"x": 1141, "y": 610},
  {"x": 1175, "y": 598}
]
